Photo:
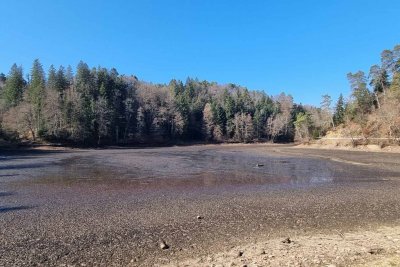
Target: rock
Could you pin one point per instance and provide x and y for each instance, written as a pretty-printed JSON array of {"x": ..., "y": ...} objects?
[
  {"x": 163, "y": 245},
  {"x": 200, "y": 217},
  {"x": 375, "y": 251},
  {"x": 263, "y": 252},
  {"x": 136, "y": 259},
  {"x": 258, "y": 165},
  {"x": 287, "y": 241},
  {"x": 240, "y": 253}
]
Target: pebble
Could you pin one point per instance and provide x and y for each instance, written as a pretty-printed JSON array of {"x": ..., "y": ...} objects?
[
  {"x": 287, "y": 241},
  {"x": 163, "y": 245},
  {"x": 374, "y": 251}
]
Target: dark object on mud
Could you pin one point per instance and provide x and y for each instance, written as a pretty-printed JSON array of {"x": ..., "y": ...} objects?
[
  {"x": 375, "y": 251},
  {"x": 258, "y": 165},
  {"x": 163, "y": 245},
  {"x": 287, "y": 241},
  {"x": 200, "y": 217}
]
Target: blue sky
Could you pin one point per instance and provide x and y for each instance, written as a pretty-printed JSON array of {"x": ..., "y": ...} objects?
[{"x": 304, "y": 48}]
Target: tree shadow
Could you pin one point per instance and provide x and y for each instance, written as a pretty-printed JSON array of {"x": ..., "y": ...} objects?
[
  {"x": 14, "y": 208},
  {"x": 23, "y": 166},
  {"x": 8, "y": 175},
  {"x": 6, "y": 194},
  {"x": 25, "y": 153}
]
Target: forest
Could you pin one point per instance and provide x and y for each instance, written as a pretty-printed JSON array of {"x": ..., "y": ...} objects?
[{"x": 99, "y": 106}]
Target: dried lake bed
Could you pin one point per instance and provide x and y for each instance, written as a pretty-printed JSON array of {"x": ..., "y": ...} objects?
[{"x": 113, "y": 207}]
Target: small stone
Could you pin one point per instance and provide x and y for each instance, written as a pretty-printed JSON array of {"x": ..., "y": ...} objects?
[
  {"x": 287, "y": 241},
  {"x": 200, "y": 217},
  {"x": 263, "y": 252},
  {"x": 163, "y": 245},
  {"x": 374, "y": 251},
  {"x": 240, "y": 253},
  {"x": 136, "y": 259}
]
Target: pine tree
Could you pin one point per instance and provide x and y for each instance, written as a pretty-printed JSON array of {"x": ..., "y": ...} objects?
[
  {"x": 52, "y": 79},
  {"x": 85, "y": 86},
  {"x": 338, "y": 116},
  {"x": 360, "y": 92},
  {"x": 37, "y": 84},
  {"x": 69, "y": 76},
  {"x": 395, "y": 86},
  {"x": 14, "y": 86},
  {"x": 61, "y": 81},
  {"x": 2, "y": 79},
  {"x": 36, "y": 95}
]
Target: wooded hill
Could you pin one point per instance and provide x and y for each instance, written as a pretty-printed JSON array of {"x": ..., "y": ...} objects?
[
  {"x": 96, "y": 106},
  {"x": 373, "y": 109},
  {"x": 99, "y": 106}
]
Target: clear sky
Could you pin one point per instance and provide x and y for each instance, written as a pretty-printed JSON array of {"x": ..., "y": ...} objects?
[{"x": 304, "y": 48}]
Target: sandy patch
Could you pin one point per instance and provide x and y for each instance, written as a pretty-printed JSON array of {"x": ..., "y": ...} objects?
[{"x": 380, "y": 247}]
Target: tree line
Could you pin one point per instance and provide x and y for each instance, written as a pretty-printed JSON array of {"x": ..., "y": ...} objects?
[{"x": 96, "y": 106}]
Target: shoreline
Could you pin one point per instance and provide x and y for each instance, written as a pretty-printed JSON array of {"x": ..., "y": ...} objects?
[
  {"x": 312, "y": 145},
  {"x": 362, "y": 148}
]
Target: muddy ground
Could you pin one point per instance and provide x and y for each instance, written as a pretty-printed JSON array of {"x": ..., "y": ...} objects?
[{"x": 113, "y": 207}]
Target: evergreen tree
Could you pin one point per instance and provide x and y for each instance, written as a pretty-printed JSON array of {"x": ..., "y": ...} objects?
[
  {"x": 338, "y": 116},
  {"x": 219, "y": 116},
  {"x": 14, "y": 87},
  {"x": 52, "y": 79},
  {"x": 69, "y": 76},
  {"x": 2, "y": 79},
  {"x": 36, "y": 95},
  {"x": 85, "y": 86},
  {"x": 378, "y": 79},
  {"x": 61, "y": 81},
  {"x": 360, "y": 92},
  {"x": 395, "y": 86}
]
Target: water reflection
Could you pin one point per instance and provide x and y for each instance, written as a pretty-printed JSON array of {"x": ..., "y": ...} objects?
[{"x": 201, "y": 169}]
